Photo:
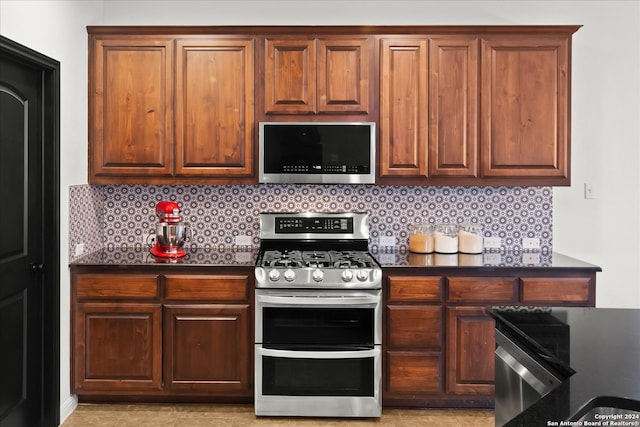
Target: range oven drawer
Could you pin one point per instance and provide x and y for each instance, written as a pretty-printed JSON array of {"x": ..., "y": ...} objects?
[
  {"x": 318, "y": 383},
  {"x": 322, "y": 318},
  {"x": 317, "y": 353}
]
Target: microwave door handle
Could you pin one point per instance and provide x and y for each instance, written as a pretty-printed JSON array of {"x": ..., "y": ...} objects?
[
  {"x": 284, "y": 301},
  {"x": 355, "y": 354}
]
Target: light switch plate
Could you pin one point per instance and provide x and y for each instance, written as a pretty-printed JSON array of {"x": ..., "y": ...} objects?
[
  {"x": 79, "y": 249},
  {"x": 387, "y": 241},
  {"x": 589, "y": 190},
  {"x": 492, "y": 243},
  {"x": 530, "y": 243}
]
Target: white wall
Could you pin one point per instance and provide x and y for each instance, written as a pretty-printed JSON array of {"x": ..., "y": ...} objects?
[
  {"x": 605, "y": 116},
  {"x": 57, "y": 29}
]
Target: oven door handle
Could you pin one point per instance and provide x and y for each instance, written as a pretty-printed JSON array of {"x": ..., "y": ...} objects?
[
  {"x": 283, "y": 301},
  {"x": 295, "y": 354}
]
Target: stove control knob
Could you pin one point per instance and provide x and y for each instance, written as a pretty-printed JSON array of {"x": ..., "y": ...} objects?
[
  {"x": 317, "y": 275},
  {"x": 274, "y": 275},
  {"x": 362, "y": 275},
  {"x": 347, "y": 275},
  {"x": 289, "y": 275}
]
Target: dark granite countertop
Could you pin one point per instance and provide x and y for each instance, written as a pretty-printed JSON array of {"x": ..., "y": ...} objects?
[
  {"x": 232, "y": 257},
  {"x": 140, "y": 256},
  {"x": 602, "y": 346},
  {"x": 482, "y": 262}
]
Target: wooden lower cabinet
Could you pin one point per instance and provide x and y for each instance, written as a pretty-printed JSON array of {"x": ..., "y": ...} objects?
[
  {"x": 438, "y": 341},
  {"x": 162, "y": 336},
  {"x": 470, "y": 351},
  {"x": 118, "y": 347},
  {"x": 413, "y": 373},
  {"x": 206, "y": 350}
]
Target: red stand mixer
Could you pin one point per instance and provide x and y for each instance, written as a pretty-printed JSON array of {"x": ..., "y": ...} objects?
[{"x": 171, "y": 232}]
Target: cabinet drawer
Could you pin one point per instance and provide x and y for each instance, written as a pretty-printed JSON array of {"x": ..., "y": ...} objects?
[
  {"x": 414, "y": 326},
  {"x": 481, "y": 289},
  {"x": 413, "y": 372},
  {"x": 555, "y": 289},
  {"x": 220, "y": 288},
  {"x": 414, "y": 289},
  {"x": 117, "y": 286}
]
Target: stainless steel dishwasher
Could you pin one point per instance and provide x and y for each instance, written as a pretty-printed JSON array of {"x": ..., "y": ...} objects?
[{"x": 520, "y": 379}]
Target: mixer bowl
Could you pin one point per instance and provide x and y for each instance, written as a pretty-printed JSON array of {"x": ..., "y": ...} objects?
[{"x": 168, "y": 235}]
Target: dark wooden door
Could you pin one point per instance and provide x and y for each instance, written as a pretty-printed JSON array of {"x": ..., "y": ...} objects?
[{"x": 27, "y": 274}]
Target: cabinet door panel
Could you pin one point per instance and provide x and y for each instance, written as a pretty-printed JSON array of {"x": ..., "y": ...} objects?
[
  {"x": 118, "y": 347},
  {"x": 207, "y": 349},
  {"x": 130, "y": 113},
  {"x": 290, "y": 76},
  {"x": 415, "y": 289},
  {"x": 555, "y": 290},
  {"x": 453, "y": 106},
  {"x": 414, "y": 326},
  {"x": 403, "y": 108},
  {"x": 412, "y": 372},
  {"x": 470, "y": 351},
  {"x": 343, "y": 75},
  {"x": 482, "y": 289},
  {"x": 217, "y": 287},
  {"x": 117, "y": 286},
  {"x": 525, "y": 107},
  {"x": 214, "y": 109}
]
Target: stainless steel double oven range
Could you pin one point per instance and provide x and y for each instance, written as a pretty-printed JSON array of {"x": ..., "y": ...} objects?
[{"x": 318, "y": 329}]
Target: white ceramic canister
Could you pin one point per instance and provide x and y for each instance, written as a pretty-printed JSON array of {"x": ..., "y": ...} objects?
[
  {"x": 421, "y": 238},
  {"x": 470, "y": 240},
  {"x": 445, "y": 238}
]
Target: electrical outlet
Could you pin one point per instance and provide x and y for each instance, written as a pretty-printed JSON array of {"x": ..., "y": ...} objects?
[
  {"x": 79, "y": 249},
  {"x": 387, "y": 241},
  {"x": 491, "y": 258},
  {"x": 243, "y": 240},
  {"x": 530, "y": 243},
  {"x": 492, "y": 243},
  {"x": 244, "y": 257},
  {"x": 387, "y": 258}
]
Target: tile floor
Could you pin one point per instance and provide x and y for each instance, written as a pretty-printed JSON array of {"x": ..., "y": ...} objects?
[{"x": 215, "y": 415}]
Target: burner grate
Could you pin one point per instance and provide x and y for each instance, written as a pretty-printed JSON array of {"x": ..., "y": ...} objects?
[{"x": 317, "y": 259}]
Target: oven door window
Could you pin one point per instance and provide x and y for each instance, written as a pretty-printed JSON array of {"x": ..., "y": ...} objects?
[
  {"x": 317, "y": 377},
  {"x": 318, "y": 327}
]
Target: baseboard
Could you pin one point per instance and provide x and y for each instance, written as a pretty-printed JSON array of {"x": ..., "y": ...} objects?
[{"x": 67, "y": 407}]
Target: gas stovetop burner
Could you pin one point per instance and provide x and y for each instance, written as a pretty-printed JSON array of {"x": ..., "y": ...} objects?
[
  {"x": 316, "y": 250},
  {"x": 316, "y": 259}
]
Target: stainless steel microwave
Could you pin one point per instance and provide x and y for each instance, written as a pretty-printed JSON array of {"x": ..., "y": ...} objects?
[{"x": 317, "y": 152}]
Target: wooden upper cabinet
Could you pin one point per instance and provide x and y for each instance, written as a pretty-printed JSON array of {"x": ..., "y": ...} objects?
[
  {"x": 328, "y": 75},
  {"x": 130, "y": 111},
  {"x": 290, "y": 76},
  {"x": 343, "y": 75},
  {"x": 453, "y": 106},
  {"x": 214, "y": 107},
  {"x": 525, "y": 107},
  {"x": 403, "y": 107},
  {"x": 429, "y": 107}
]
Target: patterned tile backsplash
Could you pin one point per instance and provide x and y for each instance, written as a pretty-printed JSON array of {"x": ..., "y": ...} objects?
[{"x": 124, "y": 215}]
